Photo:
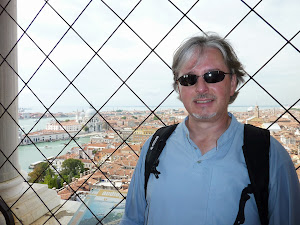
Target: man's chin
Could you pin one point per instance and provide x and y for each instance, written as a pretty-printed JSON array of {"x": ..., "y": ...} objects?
[{"x": 203, "y": 116}]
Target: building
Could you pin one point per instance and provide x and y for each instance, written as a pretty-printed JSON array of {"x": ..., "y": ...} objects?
[
  {"x": 271, "y": 127},
  {"x": 143, "y": 133},
  {"x": 89, "y": 119},
  {"x": 45, "y": 136},
  {"x": 68, "y": 125}
]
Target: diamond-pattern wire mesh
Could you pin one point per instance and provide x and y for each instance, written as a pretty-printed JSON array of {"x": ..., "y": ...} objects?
[{"x": 124, "y": 81}]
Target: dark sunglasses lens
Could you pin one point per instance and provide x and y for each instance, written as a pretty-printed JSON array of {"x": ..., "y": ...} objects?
[
  {"x": 214, "y": 76},
  {"x": 188, "y": 80},
  {"x": 210, "y": 77}
]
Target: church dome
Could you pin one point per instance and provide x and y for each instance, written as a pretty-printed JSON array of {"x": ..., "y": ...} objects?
[{"x": 90, "y": 112}]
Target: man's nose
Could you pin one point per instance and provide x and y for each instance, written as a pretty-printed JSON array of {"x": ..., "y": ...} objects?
[{"x": 201, "y": 85}]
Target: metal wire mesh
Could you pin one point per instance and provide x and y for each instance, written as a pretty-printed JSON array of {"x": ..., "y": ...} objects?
[{"x": 184, "y": 15}]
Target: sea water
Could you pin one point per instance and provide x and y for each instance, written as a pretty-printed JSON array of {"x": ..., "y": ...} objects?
[{"x": 40, "y": 151}]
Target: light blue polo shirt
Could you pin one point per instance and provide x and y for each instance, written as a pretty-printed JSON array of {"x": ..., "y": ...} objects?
[{"x": 206, "y": 189}]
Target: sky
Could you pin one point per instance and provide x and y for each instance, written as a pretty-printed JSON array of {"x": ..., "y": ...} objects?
[{"x": 127, "y": 55}]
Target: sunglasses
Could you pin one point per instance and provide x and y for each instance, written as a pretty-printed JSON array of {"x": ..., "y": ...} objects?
[{"x": 209, "y": 77}]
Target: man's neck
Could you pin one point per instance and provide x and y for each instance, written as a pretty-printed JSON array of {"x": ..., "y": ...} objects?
[{"x": 205, "y": 134}]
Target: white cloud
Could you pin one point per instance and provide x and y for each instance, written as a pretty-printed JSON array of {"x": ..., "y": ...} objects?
[{"x": 255, "y": 42}]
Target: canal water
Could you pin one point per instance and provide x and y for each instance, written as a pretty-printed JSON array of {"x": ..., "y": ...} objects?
[{"x": 32, "y": 153}]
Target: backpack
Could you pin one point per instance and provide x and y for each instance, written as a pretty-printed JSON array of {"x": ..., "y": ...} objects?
[{"x": 256, "y": 153}]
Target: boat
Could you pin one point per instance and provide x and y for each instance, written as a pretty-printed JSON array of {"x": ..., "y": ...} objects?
[
  {"x": 50, "y": 159},
  {"x": 33, "y": 165}
]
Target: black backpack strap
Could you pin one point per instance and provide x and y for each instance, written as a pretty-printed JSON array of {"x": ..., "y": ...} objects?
[
  {"x": 156, "y": 146},
  {"x": 256, "y": 153},
  {"x": 240, "y": 219}
]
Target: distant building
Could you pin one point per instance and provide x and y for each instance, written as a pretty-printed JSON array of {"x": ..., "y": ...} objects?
[
  {"x": 274, "y": 128},
  {"x": 69, "y": 126},
  {"x": 255, "y": 121},
  {"x": 125, "y": 133},
  {"x": 45, "y": 136},
  {"x": 143, "y": 133},
  {"x": 90, "y": 119},
  {"x": 256, "y": 111}
]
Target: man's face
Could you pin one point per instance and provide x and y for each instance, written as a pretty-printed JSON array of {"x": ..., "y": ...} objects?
[{"x": 207, "y": 101}]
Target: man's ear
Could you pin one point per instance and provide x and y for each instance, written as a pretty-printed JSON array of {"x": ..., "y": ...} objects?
[{"x": 179, "y": 97}]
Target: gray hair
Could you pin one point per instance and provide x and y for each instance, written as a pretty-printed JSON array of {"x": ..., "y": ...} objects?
[{"x": 196, "y": 44}]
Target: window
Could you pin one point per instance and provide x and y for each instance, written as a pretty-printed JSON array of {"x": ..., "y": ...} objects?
[{"x": 121, "y": 57}]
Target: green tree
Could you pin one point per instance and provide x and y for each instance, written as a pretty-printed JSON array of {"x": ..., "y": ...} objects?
[
  {"x": 43, "y": 173},
  {"x": 123, "y": 117},
  {"x": 59, "y": 182},
  {"x": 50, "y": 178},
  {"x": 86, "y": 129},
  {"x": 72, "y": 167},
  {"x": 39, "y": 172},
  {"x": 95, "y": 151}
]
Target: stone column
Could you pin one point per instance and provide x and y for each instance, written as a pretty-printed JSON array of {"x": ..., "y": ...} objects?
[
  {"x": 8, "y": 92},
  {"x": 14, "y": 189},
  {"x": 9, "y": 176}
]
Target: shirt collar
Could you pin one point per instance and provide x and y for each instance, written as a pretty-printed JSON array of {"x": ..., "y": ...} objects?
[{"x": 225, "y": 137}]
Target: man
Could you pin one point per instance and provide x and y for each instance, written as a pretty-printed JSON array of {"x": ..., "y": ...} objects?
[{"x": 202, "y": 167}]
